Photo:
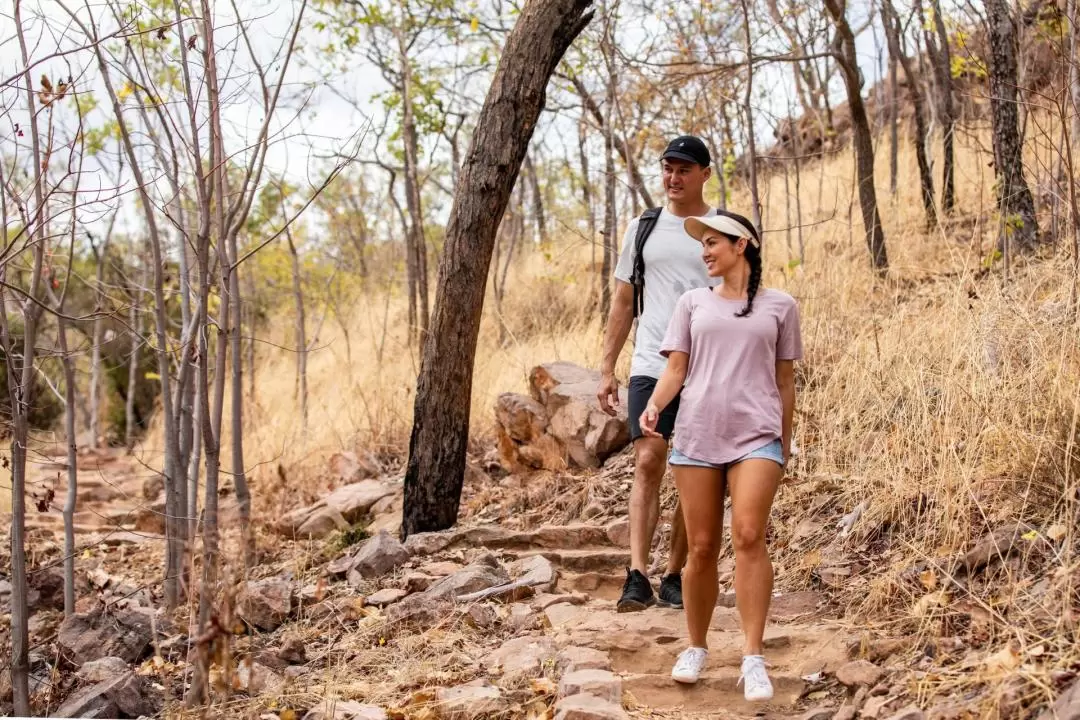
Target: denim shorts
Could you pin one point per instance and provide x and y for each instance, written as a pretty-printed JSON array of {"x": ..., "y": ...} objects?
[{"x": 773, "y": 450}]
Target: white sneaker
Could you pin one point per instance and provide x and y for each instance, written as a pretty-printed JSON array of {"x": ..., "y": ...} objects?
[
  {"x": 689, "y": 665},
  {"x": 756, "y": 685}
]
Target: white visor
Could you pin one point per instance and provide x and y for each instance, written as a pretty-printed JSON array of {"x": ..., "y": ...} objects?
[{"x": 696, "y": 227}]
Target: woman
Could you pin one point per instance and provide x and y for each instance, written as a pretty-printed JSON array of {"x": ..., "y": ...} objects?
[{"x": 731, "y": 349}]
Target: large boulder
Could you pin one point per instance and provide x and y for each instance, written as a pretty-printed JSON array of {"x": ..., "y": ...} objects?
[
  {"x": 125, "y": 634},
  {"x": 568, "y": 393},
  {"x": 265, "y": 604},
  {"x": 338, "y": 510},
  {"x": 379, "y": 555},
  {"x": 560, "y": 423}
]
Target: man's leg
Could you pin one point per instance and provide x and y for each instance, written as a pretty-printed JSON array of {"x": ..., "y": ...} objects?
[
  {"x": 650, "y": 461},
  {"x": 651, "y": 456},
  {"x": 679, "y": 549}
]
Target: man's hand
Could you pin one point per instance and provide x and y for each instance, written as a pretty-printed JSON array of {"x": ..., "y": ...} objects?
[{"x": 608, "y": 393}]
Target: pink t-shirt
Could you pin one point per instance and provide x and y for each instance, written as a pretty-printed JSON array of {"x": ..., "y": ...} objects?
[{"x": 730, "y": 404}]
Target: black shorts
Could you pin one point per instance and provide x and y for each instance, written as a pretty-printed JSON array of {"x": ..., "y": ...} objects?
[{"x": 639, "y": 391}]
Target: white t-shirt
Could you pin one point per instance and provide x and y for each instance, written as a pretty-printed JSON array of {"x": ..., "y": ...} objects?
[{"x": 673, "y": 265}]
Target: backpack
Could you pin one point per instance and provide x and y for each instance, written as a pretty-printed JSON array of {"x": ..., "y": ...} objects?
[{"x": 646, "y": 223}]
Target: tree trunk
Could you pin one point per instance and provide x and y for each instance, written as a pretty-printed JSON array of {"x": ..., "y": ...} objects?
[
  {"x": 135, "y": 331},
  {"x": 72, "y": 457},
  {"x": 586, "y": 185},
  {"x": 1074, "y": 71},
  {"x": 1019, "y": 227},
  {"x": 436, "y": 467},
  {"x": 893, "y": 34},
  {"x": 243, "y": 494},
  {"x": 101, "y": 256},
  {"x": 863, "y": 140},
  {"x": 301, "y": 337},
  {"x": 748, "y": 110},
  {"x": 610, "y": 217},
  {"x": 412, "y": 190},
  {"x": 943, "y": 68},
  {"x": 894, "y": 117},
  {"x": 538, "y": 200}
]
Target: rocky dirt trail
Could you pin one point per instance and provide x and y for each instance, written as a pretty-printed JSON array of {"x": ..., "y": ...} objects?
[{"x": 500, "y": 622}]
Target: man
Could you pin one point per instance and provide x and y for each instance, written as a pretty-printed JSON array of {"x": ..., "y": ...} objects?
[{"x": 672, "y": 265}]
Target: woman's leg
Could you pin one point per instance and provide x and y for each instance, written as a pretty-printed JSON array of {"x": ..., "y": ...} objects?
[
  {"x": 701, "y": 493},
  {"x": 752, "y": 484}
]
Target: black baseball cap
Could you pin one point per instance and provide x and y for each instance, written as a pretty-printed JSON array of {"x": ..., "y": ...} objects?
[{"x": 688, "y": 148}]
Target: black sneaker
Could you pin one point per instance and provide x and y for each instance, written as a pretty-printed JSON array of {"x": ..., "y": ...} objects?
[
  {"x": 637, "y": 593},
  {"x": 670, "y": 592}
]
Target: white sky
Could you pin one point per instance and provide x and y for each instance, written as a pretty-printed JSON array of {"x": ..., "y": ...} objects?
[{"x": 327, "y": 122}]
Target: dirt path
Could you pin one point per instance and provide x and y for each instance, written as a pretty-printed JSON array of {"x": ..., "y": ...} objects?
[{"x": 803, "y": 638}]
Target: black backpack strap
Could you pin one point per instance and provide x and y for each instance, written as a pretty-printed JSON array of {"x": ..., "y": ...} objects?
[{"x": 646, "y": 223}]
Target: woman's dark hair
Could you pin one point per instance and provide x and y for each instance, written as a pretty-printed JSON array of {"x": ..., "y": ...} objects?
[{"x": 753, "y": 256}]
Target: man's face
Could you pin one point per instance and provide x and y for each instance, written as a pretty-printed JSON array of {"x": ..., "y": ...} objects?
[{"x": 684, "y": 181}]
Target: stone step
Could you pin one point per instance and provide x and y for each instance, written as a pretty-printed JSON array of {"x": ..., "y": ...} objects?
[
  {"x": 589, "y": 559},
  {"x": 716, "y": 690},
  {"x": 550, "y": 537}
]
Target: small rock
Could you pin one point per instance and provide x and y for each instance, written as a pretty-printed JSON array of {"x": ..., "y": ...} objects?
[
  {"x": 418, "y": 611},
  {"x": 821, "y": 713},
  {"x": 573, "y": 658},
  {"x": 390, "y": 503},
  {"x": 523, "y": 656},
  {"x": 295, "y": 671},
  {"x": 561, "y": 613},
  {"x": 859, "y": 672},
  {"x": 340, "y": 565},
  {"x": 469, "y": 702},
  {"x": 440, "y": 569},
  {"x": 332, "y": 709},
  {"x": 45, "y": 589},
  {"x": 588, "y": 707},
  {"x": 124, "y": 634},
  {"x": 618, "y": 533},
  {"x": 92, "y": 702},
  {"x": 521, "y": 617},
  {"x": 321, "y": 522},
  {"x": 428, "y": 543},
  {"x": 137, "y": 697},
  {"x": 126, "y": 694},
  {"x": 256, "y": 679},
  {"x": 293, "y": 651},
  {"x": 150, "y": 518},
  {"x": 386, "y": 596},
  {"x": 102, "y": 669},
  {"x": 482, "y": 574},
  {"x": 265, "y": 604},
  {"x": 912, "y": 712},
  {"x": 1067, "y": 706},
  {"x": 355, "y": 500},
  {"x": 379, "y": 555},
  {"x": 153, "y": 486},
  {"x": 480, "y": 616},
  {"x": 998, "y": 544},
  {"x": 602, "y": 683},
  {"x": 350, "y": 467},
  {"x": 418, "y": 582}
]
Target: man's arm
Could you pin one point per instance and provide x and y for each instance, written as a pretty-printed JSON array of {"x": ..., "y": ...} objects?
[{"x": 620, "y": 320}]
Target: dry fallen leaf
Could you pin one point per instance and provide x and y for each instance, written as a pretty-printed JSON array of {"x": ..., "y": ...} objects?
[
  {"x": 1037, "y": 651},
  {"x": 928, "y": 578},
  {"x": 1004, "y": 659},
  {"x": 543, "y": 686},
  {"x": 929, "y": 601},
  {"x": 1056, "y": 532}
]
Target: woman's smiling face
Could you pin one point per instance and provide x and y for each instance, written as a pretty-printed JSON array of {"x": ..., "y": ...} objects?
[{"x": 720, "y": 252}]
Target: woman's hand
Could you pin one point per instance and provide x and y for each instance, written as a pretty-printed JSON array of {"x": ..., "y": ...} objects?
[{"x": 648, "y": 421}]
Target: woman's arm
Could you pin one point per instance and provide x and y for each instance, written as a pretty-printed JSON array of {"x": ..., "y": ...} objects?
[
  {"x": 785, "y": 382},
  {"x": 666, "y": 389}
]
